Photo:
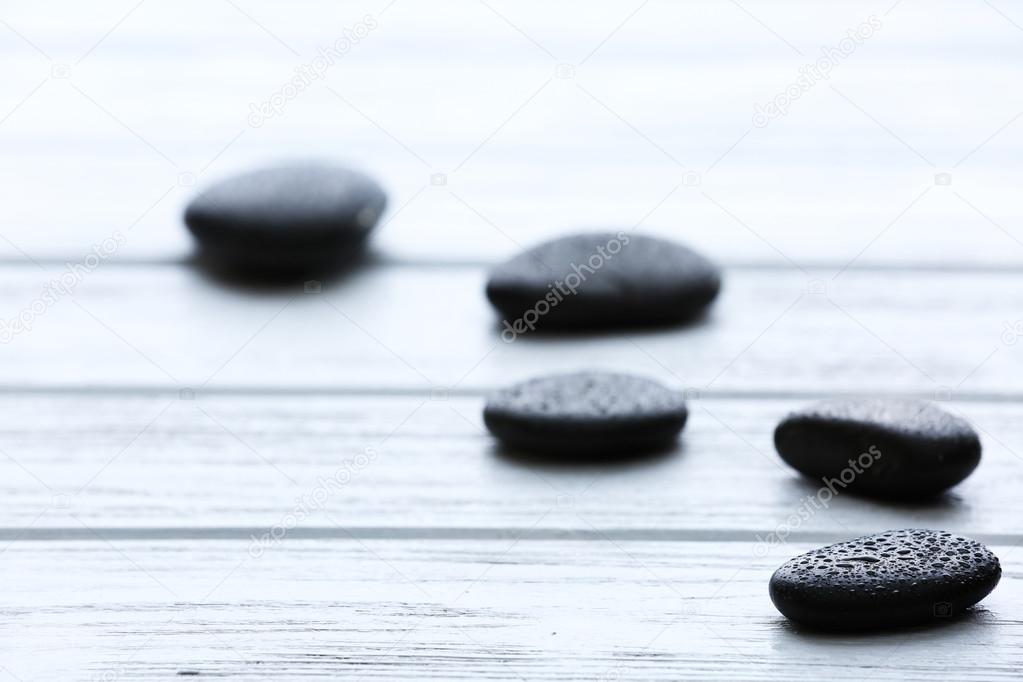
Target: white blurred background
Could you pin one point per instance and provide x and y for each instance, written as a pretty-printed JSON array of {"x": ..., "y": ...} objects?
[{"x": 497, "y": 123}]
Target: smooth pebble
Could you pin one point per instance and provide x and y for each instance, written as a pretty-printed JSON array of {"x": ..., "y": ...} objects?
[
  {"x": 897, "y": 578},
  {"x": 586, "y": 414},
  {"x": 898, "y": 449},
  {"x": 602, "y": 280},
  {"x": 298, "y": 219}
]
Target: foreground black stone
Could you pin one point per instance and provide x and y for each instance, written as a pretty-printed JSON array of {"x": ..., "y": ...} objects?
[{"x": 897, "y": 578}]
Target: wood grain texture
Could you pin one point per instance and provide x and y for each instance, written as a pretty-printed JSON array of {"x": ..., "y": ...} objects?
[
  {"x": 411, "y": 465},
  {"x": 504, "y": 609},
  {"x": 132, "y": 120},
  {"x": 160, "y": 430},
  {"x": 424, "y": 328}
]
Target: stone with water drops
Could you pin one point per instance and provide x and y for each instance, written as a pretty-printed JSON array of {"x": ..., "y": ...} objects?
[
  {"x": 296, "y": 219},
  {"x": 586, "y": 414},
  {"x": 601, "y": 280},
  {"x": 896, "y": 449},
  {"x": 897, "y": 578}
]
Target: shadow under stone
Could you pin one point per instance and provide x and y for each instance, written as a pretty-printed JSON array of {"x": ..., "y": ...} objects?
[
  {"x": 277, "y": 280},
  {"x": 576, "y": 461},
  {"x": 605, "y": 327},
  {"x": 946, "y": 502},
  {"x": 797, "y": 634}
]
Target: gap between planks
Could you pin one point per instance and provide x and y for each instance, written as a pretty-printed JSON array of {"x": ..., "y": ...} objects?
[
  {"x": 384, "y": 261},
  {"x": 357, "y": 533},
  {"x": 310, "y": 391}
]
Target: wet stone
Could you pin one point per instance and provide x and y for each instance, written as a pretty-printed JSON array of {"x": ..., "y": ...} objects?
[
  {"x": 895, "y": 449},
  {"x": 897, "y": 578},
  {"x": 601, "y": 280},
  {"x": 299, "y": 219},
  {"x": 586, "y": 414}
]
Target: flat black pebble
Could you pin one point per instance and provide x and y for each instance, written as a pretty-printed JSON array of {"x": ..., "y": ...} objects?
[
  {"x": 298, "y": 219},
  {"x": 900, "y": 449},
  {"x": 901, "y": 577},
  {"x": 593, "y": 414},
  {"x": 602, "y": 280}
]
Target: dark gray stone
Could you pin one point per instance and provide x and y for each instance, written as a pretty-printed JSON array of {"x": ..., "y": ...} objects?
[
  {"x": 588, "y": 414},
  {"x": 897, "y": 578},
  {"x": 602, "y": 280},
  {"x": 913, "y": 448},
  {"x": 305, "y": 218}
]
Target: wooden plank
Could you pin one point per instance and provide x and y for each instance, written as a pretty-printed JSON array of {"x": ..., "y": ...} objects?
[
  {"x": 486, "y": 610},
  {"x": 416, "y": 466},
  {"x": 425, "y": 329},
  {"x": 848, "y": 173},
  {"x": 157, "y": 426}
]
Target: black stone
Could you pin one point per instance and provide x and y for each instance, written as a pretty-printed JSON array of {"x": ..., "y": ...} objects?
[
  {"x": 646, "y": 281},
  {"x": 593, "y": 414},
  {"x": 913, "y": 448},
  {"x": 305, "y": 218},
  {"x": 901, "y": 577}
]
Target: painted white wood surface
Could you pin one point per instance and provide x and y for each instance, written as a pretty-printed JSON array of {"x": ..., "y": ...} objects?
[
  {"x": 427, "y": 328},
  {"x": 153, "y": 421},
  {"x": 491, "y": 609},
  {"x": 372, "y": 463}
]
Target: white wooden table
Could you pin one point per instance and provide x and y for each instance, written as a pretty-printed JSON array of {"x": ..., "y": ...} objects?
[{"x": 153, "y": 422}]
